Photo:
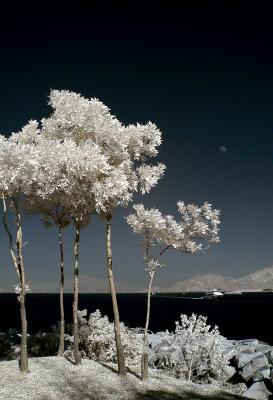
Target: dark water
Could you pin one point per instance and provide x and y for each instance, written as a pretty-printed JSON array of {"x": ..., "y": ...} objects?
[{"x": 238, "y": 316}]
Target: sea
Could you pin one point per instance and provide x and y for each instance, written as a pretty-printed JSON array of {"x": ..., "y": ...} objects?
[{"x": 238, "y": 316}]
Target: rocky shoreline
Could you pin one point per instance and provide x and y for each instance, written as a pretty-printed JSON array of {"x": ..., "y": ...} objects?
[
  {"x": 249, "y": 366},
  {"x": 251, "y": 362}
]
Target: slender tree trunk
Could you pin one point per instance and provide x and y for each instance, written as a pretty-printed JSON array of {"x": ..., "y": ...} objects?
[
  {"x": 120, "y": 351},
  {"x": 19, "y": 245},
  {"x": 62, "y": 322},
  {"x": 144, "y": 360},
  {"x": 23, "y": 358},
  {"x": 19, "y": 267},
  {"x": 190, "y": 369},
  {"x": 77, "y": 355},
  {"x": 145, "y": 356}
]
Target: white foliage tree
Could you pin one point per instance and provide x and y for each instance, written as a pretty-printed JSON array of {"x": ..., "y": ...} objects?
[
  {"x": 45, "y": 201},
  {"x": 66, "y": 177},
  {"x": 197, "y": 228},
  {"x": 117, "y": 190},
  {"x": 84, "y": 121},
  {"x": 18, "y": 167}
]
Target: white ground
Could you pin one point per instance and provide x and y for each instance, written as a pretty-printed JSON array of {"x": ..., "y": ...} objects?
[{"x": 55, "y": 378}]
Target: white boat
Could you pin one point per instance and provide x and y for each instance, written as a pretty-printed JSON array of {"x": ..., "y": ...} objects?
[{"x": 213, "y": 294}]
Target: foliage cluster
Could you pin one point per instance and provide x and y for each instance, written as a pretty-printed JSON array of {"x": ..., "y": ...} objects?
[{"x": 194, "y": 351}]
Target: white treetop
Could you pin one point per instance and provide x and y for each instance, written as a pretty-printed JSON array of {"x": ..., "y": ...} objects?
[
  {"x": 143, "y": 140},
  {"x": 80, "y": 119},
  {"x": 92, "y": 132},
  {"x": 149, "y": 175},
  {"x": 19, "y": 163},
  {"x": 197, "y": 228},
  {"x": 29, "y": 134},
  {"x": 68, "y": 173},
  {"x": 82, "y": 156}
]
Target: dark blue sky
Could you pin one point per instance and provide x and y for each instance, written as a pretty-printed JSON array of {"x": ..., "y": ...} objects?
[{"x": 203, "y": 75}]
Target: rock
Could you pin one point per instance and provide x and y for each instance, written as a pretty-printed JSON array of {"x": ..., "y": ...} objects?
[
  {"x": 247, "y": 342},
  {"x": 241, "y": 359},
  {"x": 230, "y": 342},
  {"x": 228, "y": 372},
  {"x": 245, "y": 350},
  {"x": 261, "y": 375},
  {"x": 269, "y": 355},
  {"x": 156, "y": 341},
  {"x": 160, "y": 345},
  {"x": 257, "y": 391},
  {"x": 248, "y": 349},
  {"x": 263, "y": 348},
  {"x": 161, "y": 333},
  {"x": 258, "y": 362},
  {"x": 229, "y": 352}
]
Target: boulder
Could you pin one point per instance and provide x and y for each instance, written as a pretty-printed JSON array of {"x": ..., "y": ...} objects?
[
  {"x": 242, "y": 359},
  {"x": 263, "y": 348},
  {"x": 230, "y": 342},
  {"x": 257, "y": 363},
  {"x": 269, "y": 355},
  {"x": 230, "y": 352},
  {"x": 228, "y": 372},
  {"x": 156, "y": 341},
  {"x": 261, "y": 375},
  {"x": 245, "y": 349},
  {"x": 247, "y": 342},
  {"x": 257, "y": 391}
]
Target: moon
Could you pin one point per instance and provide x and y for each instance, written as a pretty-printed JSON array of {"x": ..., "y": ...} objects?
[{"x": 222, "y": 149}]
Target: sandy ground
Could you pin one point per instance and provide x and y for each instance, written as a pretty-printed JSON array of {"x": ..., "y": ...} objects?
[{"x": 55, "y": 378}]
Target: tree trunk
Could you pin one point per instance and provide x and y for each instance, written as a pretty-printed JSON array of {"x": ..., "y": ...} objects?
[
  {"x": 19, "y": 267},
  {"x": 62, "y": 324},
  {"x": 19, "y": 244},
  {"x": 145, "y": 357},
  {"x": 23, "y": 358},
  {"x": 190, "y": 369},
  {"x": 120, "y": 351},
  {"x": 77, "y": 355}
]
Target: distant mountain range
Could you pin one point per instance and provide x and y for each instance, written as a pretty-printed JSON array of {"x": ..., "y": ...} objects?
[
  {"x": 261, "y": 279},
  {"x": 87, "y": 284}
]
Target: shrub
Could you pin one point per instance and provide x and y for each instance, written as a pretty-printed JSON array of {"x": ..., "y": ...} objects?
[
  {"x": 195, "y": 351},
  {"x": 44, "y": 344},
  {"x": 39, "y": 344},
  {"x": 97, "y": 339},
  {"x": 9, "y": 342}
]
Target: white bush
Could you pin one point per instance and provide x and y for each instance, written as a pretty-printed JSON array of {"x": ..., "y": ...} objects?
[
  {"x": 194, "y": 351},
  {"x": 97, "y": 339}
]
